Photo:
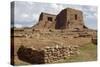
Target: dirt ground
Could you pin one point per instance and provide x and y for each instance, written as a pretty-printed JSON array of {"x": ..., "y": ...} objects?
[{"x": 41, "y": 40}]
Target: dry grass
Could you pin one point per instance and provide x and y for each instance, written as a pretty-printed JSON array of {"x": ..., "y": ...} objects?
[{"x": 88, "y": 52}]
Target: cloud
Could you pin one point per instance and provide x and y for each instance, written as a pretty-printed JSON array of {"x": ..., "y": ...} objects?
[
  {"x": 54, "y": 8},
  {"x": 90, "y": 12},
  {"x": 25, "y": 16},
  {"x": 18, "y": 25}
]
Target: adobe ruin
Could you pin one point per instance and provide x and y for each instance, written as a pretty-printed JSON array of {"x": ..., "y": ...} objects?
[
  {"x": 46, "y": 21},
  {"x": 65, "y": 29},
  {"x": 67, "y": 19}
]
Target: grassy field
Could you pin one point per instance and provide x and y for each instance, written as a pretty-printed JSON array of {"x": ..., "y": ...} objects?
[{"x": 88, "y": 52}]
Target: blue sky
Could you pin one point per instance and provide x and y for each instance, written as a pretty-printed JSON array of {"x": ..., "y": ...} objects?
[{"x": 27, "y": 13}]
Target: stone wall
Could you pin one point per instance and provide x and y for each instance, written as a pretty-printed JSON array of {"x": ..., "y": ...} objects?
[
  {"x": 94, "y": 40},
  {"x": 46, "y": 55}
]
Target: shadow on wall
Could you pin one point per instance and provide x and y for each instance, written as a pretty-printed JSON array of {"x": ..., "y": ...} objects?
[{"x": 30, "y": 56}]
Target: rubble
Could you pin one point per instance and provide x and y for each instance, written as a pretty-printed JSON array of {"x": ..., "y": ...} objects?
[{"x": 47, "y": 54}]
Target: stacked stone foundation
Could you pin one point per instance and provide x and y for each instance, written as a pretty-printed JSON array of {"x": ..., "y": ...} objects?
[{"x": 46, "y": 55}]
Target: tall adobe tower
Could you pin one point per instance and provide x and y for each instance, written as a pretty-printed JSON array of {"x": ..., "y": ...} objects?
[{"x": 69, "y": 19}]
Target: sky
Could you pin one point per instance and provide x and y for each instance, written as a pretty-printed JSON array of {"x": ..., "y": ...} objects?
[{"x": 26, "y": 14}]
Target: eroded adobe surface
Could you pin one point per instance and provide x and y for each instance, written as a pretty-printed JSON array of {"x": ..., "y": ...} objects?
[
  {"x": 46, "y": 21},
  {"x": 69, "y": 18}
]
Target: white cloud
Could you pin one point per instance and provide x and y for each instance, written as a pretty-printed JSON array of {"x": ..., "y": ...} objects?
[
  {"x": 25, "y": 15},
  {"x": 54, "y": 6},
  {"x": 93, "y": 9},
  {"x": 18, "y": 25}
]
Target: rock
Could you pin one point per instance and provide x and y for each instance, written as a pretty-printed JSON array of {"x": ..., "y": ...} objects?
[{"x": 46, "y": 55}]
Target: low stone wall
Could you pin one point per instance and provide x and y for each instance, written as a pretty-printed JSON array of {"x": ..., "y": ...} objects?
[
  {"x": 46, "y": 55},
  {"x": 55, "y": 54},
  {"x": 94, "y": 40}
]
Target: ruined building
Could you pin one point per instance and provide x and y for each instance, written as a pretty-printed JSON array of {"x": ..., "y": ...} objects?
[
  {"x": 53, "y": 38},
  {"x": 67, "y": 19},
  {"x": 46, "y": 21}
]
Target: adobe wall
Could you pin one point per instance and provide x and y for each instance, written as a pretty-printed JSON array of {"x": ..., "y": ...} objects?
[
  {"x": 69, "y": 18},
  {"x": 61, "y": 20},
  {"x": 46, "y": 21},
  {"x": 75, "y": 18}
]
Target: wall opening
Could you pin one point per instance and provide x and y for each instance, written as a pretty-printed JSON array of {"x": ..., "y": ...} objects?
[
  {"x": 75, "y": 16},
  {"x": 49, "y": 18}
]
